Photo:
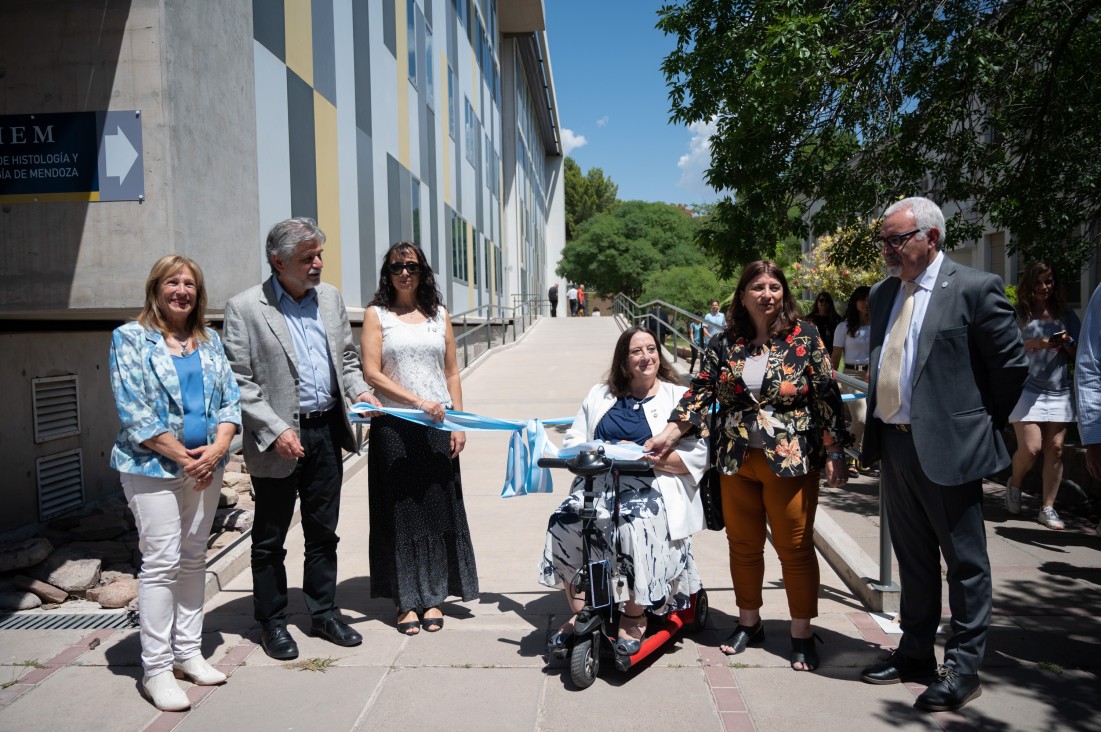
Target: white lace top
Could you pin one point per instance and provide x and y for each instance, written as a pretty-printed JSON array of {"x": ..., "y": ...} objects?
[{"x": 412, "y": 355}]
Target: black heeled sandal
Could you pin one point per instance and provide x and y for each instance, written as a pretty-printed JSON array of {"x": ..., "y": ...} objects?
[
  {"x": 631, "y": 646},
  {"x": 804, "y": 651},
  {"x": 745, "y": 635}
]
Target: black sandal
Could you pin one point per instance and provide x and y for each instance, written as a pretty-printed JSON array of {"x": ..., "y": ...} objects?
[
  {"x": 745, "y": 635},
  {"x": 804, "y": 651},
  {"x": 432, "y": 624},
  {"x": 405, "y": 628},
  {"x": 630, "y": 646}
]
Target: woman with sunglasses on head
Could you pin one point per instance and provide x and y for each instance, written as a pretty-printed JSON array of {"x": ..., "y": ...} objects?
[
  {"x": 1050, "y": 330},
  {"x": 825, "y": 317},
  {"x": 420, "y": 548}
]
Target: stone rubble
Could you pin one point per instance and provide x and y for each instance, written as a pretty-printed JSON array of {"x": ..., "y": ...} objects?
[{"x": 93, "y": 559}]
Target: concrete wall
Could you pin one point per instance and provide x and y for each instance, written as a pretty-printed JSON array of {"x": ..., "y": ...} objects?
[{"x": 28, "y": 356}]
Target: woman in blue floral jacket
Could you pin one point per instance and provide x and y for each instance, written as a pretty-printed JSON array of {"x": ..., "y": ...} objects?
[
  {"x": 780, "y": 422},
  {"x": 179, "y": 407}
]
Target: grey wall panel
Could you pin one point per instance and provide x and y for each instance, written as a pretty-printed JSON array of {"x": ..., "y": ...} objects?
[
  {"x": 361, "y": 31},
  {"x": 269, "y": 26},
  {"x": 369, "y": 250},
  {"x": 389, "y": 26},
  {"x": 324, "y": 53},
  {"x": 303, "y": 153},
  {"x": 393, "y": 199}
]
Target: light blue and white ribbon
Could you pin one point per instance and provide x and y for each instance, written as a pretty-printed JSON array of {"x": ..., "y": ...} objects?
[{"x": 528, "y": 443}]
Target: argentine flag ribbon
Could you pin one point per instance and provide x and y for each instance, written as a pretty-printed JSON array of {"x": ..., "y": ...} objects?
[{"x": 528, "y": 443}]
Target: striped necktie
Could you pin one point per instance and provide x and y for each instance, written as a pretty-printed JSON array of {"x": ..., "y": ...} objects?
[{"x": 888, "y": 387}]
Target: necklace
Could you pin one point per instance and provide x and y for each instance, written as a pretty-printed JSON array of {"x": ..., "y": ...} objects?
[{"x": 182, "y": 344}]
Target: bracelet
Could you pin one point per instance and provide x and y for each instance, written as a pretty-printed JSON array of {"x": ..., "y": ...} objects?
[
  {"x": 421, "y": 403},
  {"x": 836, "y": 455}
]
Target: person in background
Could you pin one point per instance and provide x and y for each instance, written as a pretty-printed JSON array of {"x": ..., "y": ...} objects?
[
  {"x": 1087, "y": 372},
  {"x": 714, "y": 322},
  {"x": 596, "y": 313},
  {"x": 571, "y": 300},
  {"x": 947, "y": 366},
  {"x": 825, "y": 318},
  {"x": 420, "y": 547},
  {"x": 851, "y": 341},
  {"x": 657, "y": 512},
  {"x": 781, "y": 423},
  {"x": 1046, "y": 407},
  {"x": 179, "y": 407},
  {"x": 581, "y": 300},
  {"x": 552, "y": 295},
  {"x": 290, "y": 345}
]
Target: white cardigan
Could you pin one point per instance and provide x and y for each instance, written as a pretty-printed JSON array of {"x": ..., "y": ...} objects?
[{"x": 683, "y": 507}]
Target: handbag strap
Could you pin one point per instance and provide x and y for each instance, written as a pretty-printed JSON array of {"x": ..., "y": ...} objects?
[{"x": 720, "y": 351}]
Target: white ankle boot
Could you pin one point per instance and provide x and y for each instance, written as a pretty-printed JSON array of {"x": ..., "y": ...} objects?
[
  {"x": 198, "y": 671},
  {"x": 165, "y": 693}
]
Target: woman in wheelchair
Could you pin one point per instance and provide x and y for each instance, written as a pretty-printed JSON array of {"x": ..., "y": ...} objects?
[{"x": 657, "y": 512}]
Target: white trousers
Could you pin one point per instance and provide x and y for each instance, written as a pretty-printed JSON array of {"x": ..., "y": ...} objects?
[{"x": 173, "y": 521}]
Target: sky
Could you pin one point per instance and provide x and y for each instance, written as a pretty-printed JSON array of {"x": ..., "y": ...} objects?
[{"x": 613, "y": 104}]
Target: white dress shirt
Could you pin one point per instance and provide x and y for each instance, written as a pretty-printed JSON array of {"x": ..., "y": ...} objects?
[{"x": 925, "y": 282}]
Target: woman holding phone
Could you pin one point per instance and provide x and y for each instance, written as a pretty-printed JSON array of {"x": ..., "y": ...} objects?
[{"x": 1040, "y": 419}]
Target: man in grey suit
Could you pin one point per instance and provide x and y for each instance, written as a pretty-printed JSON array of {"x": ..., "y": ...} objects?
[
  {"x": 290, "y": 345},
  {"x": 947, "y": 368}
]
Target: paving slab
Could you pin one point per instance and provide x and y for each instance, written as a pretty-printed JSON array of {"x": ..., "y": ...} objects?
[{"x": 89, "y": 699}]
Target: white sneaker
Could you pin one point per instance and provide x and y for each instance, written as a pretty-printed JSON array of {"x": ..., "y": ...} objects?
[
  {"x": 1012, "y": 499},
  {"x": 198, "y": 671},
  {"x": 165, "y": 693},
  {"x": 1050, "y": 519}
]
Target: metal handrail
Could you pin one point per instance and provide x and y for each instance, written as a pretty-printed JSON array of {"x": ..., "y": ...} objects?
[{"x": 633, "y": 312}]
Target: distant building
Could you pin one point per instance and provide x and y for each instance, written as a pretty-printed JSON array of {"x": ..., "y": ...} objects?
[{"x": 426, "y": 120}]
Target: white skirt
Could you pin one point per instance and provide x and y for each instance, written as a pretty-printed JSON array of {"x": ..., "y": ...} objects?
[{"x": 1036, "y": 407}]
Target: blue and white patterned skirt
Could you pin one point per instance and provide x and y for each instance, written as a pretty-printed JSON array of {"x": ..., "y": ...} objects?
[{"x": 661, "y": 573}]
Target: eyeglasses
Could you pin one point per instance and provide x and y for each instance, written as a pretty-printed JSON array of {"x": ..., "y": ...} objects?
[
  {"x": 395, "y": 268},
  {"x": 897, "y": 241},
  {"x": 649, "y": 350}
]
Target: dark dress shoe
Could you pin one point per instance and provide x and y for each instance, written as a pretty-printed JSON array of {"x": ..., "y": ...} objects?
[
  {"x": 899, "y": 667},
  {"x": 277, "y": 643},
  {"x": 950, "y": 691},
  {"x": 336, "y": 631}
]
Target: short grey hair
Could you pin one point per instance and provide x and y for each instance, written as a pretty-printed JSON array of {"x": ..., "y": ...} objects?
[
  {"x": 285, "y": 237},
  {"x": 927, "y": 214}
]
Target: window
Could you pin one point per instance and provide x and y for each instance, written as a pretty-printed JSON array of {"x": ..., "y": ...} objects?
[
  {"x": 477, "y": 255},
  {"x": 411, "y": 38},
  {"x": 458, "y": 247},
  {"x": 471, "y": 140}
]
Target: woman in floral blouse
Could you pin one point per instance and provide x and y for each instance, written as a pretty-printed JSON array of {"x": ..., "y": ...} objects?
[{"x": 780, "y": 421}]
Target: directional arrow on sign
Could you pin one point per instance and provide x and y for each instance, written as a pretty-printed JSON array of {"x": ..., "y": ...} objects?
[{"x": 120, "y": 155}]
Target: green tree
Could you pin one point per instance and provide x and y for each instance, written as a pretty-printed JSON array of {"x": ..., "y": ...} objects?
[
  {"x": 585, "y": 195},
  {"x": 616, "y": 251},
  {"x": 852, "y": 104},
  {"x": 689, "y": 287}
]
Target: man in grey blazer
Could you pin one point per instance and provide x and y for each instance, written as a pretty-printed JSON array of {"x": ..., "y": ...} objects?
[
  {"x": 290, "y": 345},
  {"x": 947, "y": 368}
]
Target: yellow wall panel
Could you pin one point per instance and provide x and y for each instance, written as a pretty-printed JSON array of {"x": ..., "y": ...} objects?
[
  {"x": 328, "y": 186},
  {"x": 402, "y": 86},
  {"x": 299, "y": 35}
]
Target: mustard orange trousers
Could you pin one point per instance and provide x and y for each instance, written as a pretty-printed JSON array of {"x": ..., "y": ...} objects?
[{"x": 750, "y": 497}]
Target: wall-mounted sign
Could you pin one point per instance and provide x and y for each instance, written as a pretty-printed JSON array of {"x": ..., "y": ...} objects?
[{"x": 76, "y": 156}]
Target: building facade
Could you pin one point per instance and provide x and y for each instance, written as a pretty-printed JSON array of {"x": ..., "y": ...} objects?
[{"x": 431, "y": 121}]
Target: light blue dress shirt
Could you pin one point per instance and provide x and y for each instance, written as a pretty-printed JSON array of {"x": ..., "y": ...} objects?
[
  {"x": 1087, "y": 373},
  {"x": 311, "y": 349},
  {"x": 925, "y": 282}
]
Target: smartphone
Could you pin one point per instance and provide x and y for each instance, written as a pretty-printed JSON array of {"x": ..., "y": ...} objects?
[{"x": 1059, "y": 337}]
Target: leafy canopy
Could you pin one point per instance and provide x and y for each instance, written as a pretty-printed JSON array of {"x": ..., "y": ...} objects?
[
  {"x": 585, "y": 195},
  {"x": 852, "y": 104},
  {"x": 616, "y": 251}
]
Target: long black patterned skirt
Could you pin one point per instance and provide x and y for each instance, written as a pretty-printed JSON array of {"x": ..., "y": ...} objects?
[{"x": 420, "y": 545}]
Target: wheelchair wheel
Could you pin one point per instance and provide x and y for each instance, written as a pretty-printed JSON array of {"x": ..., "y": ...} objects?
[
  {"x": 584, "y": 662},
  {"x": 703, "y": 610}
]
